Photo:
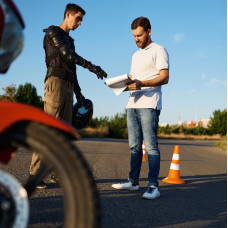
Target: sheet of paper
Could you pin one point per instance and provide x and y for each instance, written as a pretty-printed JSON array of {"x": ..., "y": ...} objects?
[
  {"x": 118, "y": 90},
  {"x": 118, "y": 79},
  {"x": 118, "y": 84}
]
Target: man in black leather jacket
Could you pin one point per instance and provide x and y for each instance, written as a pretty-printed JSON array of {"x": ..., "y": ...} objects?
[
  {"x": 61, "y": 78},
  {"x": 61, "y": 58}
]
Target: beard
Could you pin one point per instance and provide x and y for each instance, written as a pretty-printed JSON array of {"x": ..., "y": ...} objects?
[{"x": 144, "y": 43}]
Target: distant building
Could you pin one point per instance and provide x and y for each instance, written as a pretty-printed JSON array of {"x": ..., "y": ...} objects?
[{"x": 198, "y": 123}]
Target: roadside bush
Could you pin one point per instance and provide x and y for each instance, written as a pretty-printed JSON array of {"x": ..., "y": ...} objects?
[
  {"x": 218, "y": 123},
  {"x": 101, "y": 122},
  {"x": 183, "y": 130},
  {"x": 177, "y": 129},
  {"x": 117, "y": 125},
  {"x": 165, "y": 130},
  {"x": 196, "y": 131}
]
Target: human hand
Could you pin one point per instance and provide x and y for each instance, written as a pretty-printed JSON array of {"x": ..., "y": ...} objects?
[
  {"x": 98, "y": 71},
  {"x": 135, "y": 85}
]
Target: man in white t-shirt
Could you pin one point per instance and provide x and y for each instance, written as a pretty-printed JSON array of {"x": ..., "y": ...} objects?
[{"x": 149, "y": 70}]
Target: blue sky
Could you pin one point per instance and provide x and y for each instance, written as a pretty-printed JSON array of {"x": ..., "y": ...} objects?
[{"x": 193, "y": 32}]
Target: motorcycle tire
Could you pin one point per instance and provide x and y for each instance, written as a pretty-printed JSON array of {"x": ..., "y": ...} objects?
[{"x": 80, "y": 195}]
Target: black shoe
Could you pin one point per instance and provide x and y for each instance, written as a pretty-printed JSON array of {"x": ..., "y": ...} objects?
[
  {"x": 42, "y": 185},
  {"x": 54, "y": 179}
]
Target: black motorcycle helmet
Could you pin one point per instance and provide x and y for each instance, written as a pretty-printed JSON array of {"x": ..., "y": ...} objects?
[{"x": 82, "y": 113}]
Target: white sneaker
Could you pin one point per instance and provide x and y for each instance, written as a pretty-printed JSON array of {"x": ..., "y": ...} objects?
[
  {"x": 151, "y": 193},
  {"x": 128, "y": 186}
]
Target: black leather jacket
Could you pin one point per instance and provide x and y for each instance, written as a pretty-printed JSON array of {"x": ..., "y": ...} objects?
[{"x": 60, "y": 56}]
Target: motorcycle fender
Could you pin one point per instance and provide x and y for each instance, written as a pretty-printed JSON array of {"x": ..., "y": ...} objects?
[{"x": 11, "y": 113}]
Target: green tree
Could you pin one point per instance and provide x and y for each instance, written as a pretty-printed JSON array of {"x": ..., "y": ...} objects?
[
  {"x": 9, "y": 93},
  {"x": 218, "y": 123},
  {"x": 27, "y": 94}
]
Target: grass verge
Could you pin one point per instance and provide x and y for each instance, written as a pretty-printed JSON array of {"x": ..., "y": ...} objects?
[
  {"x": 102, "y": 132},
  {"x": 89, "y": 132},
  {"x": 222, "y": 144},
  {"x": 193, "y": 137}
]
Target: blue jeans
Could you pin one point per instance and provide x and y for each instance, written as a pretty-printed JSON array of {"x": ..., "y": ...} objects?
[{"x": 142, "y": 125}]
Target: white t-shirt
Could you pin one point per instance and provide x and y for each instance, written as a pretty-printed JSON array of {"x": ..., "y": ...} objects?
[{"x": 146, "y": 64}]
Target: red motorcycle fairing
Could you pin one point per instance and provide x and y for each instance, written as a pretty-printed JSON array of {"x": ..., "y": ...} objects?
[{"x": 12, "y": 113}]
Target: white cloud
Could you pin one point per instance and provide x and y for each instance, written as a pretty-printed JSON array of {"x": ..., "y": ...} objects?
[
  {"x": 215, "y": 83},
  {"x": 203, "y": 75},
  {"x": 192, "y": 91},
  {"x": 178, "y": 37},
  {"x": 202, "y": 54}
]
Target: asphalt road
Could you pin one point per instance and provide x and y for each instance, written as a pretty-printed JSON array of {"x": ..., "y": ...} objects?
[{"x": 201, "y": 202}]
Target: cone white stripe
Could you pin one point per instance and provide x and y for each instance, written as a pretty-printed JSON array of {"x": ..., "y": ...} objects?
[
  {"x": 175, "y": 166},
  {"x": 143, "y": 149},
  {"x": 176, "y": 157}
]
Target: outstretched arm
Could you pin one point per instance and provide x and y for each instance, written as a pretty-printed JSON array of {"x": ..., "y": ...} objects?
[{"x": 70, "y": 55}]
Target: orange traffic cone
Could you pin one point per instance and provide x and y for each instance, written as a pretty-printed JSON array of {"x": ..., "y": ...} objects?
[
  {"x": 174, "y": 171},
  {"x": 144, "y": 158}
]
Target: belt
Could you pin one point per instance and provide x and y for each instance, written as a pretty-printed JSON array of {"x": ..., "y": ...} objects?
[{"x": 61, "y": 73}]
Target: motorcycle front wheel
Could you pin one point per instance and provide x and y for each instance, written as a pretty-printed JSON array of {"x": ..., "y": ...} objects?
[{"x": 80, "y": 195}]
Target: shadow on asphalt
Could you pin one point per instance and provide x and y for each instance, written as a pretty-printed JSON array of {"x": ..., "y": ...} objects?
[
  {"x": 46, "y": 212},
  {"x": 196, "y": 201},
  {"x": 202, "y": 200}
]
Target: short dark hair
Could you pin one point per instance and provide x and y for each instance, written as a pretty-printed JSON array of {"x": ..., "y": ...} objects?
[
  {"x": 141, "y": 21},
  {"x": 73, "y": 8}
]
